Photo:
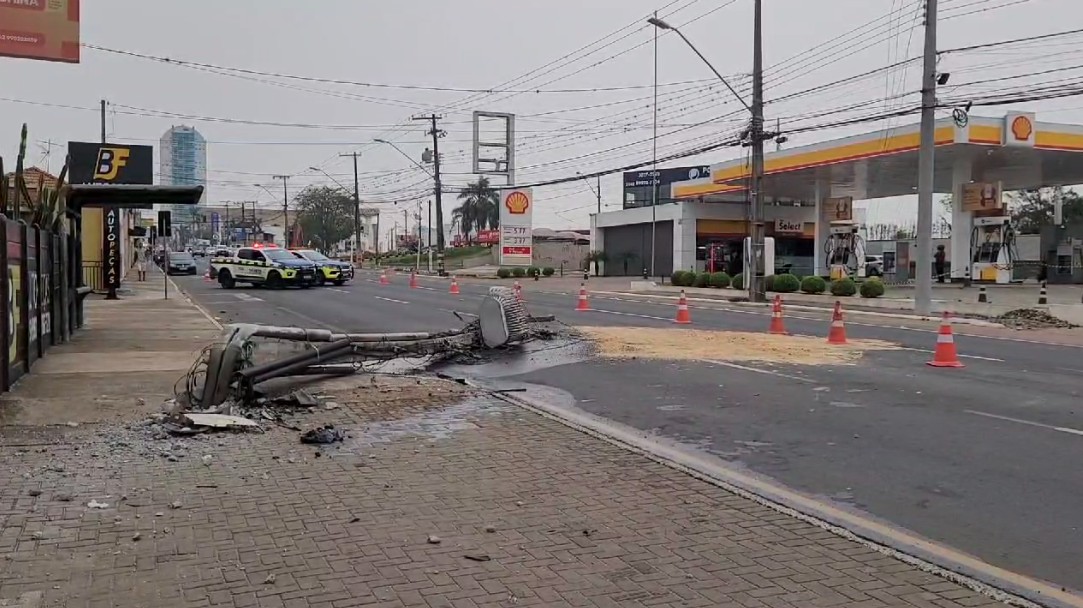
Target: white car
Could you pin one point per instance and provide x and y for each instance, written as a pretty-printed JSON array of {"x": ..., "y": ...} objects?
[{"x": 874, "y": 265}]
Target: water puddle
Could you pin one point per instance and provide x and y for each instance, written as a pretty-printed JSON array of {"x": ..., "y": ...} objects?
[
  {"x": 432, "y": 425},
  {"x": 532, "y": 357}
]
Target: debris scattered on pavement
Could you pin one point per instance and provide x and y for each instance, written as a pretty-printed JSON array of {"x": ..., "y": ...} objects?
[
  {"x": 477, "y": 557},
  {"x": 323, "y": 435},
  {"x": 62, "y": 497},
  {"x": 270, "y": 580},
  {"x": 1032, "y": 318},
  {"x": 136, "y": 537},
  {"x": 298, "y": 398},
  {"x": 93, "y": 504},
  {"x": 490, "y": 529},
  {"x": 207, "y": 460},
  {"x": 176, "y": 504},
  {"x": 698, "y": 345},
  {"x": 219, "y": 421},
  {"x": 434, "y": 540},
  {"x": 34, "y": 492}
]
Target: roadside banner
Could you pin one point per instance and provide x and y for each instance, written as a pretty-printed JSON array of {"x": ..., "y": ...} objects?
[{"x": 40, "y": 29}]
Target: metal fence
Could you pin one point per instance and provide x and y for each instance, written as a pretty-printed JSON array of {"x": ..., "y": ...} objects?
[{"x": 40, "y": 295}]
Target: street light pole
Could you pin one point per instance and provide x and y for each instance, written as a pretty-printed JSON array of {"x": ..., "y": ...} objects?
[
  {"x": 756, "y": 283},
  {"x": 285, "y": 210},
  {"x": 356, "y": 209},
  {"x": 436, "y": 135},
  {"x": 923, "y": 294}
]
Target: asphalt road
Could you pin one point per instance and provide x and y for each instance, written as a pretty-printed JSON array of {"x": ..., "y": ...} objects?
[{"x": 983, "y": 459}]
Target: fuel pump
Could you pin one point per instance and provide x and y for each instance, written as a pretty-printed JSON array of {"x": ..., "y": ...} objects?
[
  {"x": 992, "y": 249},
  {"x": 845, "y": 250}
]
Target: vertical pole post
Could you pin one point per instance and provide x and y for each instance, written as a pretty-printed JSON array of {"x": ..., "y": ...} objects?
[
  {"x": 756, "y": 282},
  {"x": 923, "y": 294},
  {"x": 430, "y": 235},
  {"x": 440, "y": 270},
  {"x": 654, "y": 160},
  {"x": 356, "y": 214}
]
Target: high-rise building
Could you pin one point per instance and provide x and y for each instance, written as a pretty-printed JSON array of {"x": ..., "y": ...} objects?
[{"x": 183, "y": 156}]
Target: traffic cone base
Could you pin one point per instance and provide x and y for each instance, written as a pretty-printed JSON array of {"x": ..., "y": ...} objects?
[
  {"x": 454, "y": 289},
  {"x": 583, "y": 305},
  {"x": 945, "y": 354},
  {"x": 777, "y": 326},
  {"x": 383, "y": 279},
  {"x": 413, "y": 280},
  {"x": 837, "y": 333},
  {"x": 684, "y": 317}
]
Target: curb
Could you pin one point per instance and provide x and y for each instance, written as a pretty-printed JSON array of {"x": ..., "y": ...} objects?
[
  {"x": 806, "y": 307},
  {"x": 194, "y": 304},
  {"x": 965, "y": 570}
]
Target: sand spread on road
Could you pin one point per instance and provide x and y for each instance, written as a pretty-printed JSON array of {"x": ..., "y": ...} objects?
[{"x": 697, "y": 345}]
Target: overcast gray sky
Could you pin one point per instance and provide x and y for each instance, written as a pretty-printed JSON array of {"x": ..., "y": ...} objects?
[{"x": 484, "y": 43}]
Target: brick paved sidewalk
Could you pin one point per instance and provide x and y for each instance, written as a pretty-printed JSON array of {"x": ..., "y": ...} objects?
[{"x": 528, "y": 513}]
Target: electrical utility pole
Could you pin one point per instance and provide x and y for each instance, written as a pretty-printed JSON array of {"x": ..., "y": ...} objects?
[
  {"x": 756, "y": 282},
  {"x": 436, "y": 135},
  {"x": 356, "y": 208},
  {"x": 923, "y": 295},
  {"x": 285, "y": 210}
]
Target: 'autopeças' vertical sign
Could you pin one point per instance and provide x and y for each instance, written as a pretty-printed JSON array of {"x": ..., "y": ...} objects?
[{"x": 111, "y": 256}]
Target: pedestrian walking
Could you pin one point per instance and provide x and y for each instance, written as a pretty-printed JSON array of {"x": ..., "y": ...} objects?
[
  {"x": 939, "y": 261},
  {"x": 141, "y": 263}
]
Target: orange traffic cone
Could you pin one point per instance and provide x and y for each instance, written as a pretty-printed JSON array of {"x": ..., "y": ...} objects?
[
  {"x": 583, "y": 306},
  {"x": 776, "y": 317},
  {"x": 383, "y": 278},
  {"x": 518, "y": 291},
  {"x": 454, "y": 290},
  {"x": 413, "y": 280},
  {"x": 945, "y": 355},
  {"x": 837, "y": 334},
  {"x": 207, "y": 276},
  {"x": 683, "y": 316}
]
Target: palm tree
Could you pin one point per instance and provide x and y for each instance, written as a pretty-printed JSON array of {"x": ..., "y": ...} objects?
[{"x": 480, "y": 207}]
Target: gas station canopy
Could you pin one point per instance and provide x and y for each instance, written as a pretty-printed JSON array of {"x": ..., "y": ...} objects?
[{"x": 1017, "y": 151}]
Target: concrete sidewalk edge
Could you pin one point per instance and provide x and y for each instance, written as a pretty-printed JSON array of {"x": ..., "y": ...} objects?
[{"x": 950, "y": 564}]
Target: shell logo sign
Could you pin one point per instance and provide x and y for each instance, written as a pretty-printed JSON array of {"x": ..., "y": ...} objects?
[
  {"x": 1022, "y": 128},
  {"x": 517, "y": 202},
  {"x": 1019, "y": 130},
  {"x": 516, "y": 227}
]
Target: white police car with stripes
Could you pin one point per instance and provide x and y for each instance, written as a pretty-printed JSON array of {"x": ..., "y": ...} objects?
[{"x": 263, "y": 265}]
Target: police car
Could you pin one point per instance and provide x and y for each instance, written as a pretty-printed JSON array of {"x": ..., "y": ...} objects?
[
  {"x": 265, "y": 265},
  {"x": 328, "y": 270}
]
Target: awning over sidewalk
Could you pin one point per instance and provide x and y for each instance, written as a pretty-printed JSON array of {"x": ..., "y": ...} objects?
[{"x": 129, "y": 196}]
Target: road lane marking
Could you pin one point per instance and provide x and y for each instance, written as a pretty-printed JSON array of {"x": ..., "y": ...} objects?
[
  {"x": 959, "y": 328},
  {"x": 1059, "y": 429},
  {"x": 630, "y": 314},
  {"x": 246, "y": 298},
  {"x": 338, "y": 290},
  {"x": 930, "y": 351},
  {"x": 390, "y": 300},
  {"x": 758, "y": 370}
]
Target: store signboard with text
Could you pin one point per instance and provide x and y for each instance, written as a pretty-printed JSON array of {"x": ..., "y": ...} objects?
[{"x": 516, "y": 227}]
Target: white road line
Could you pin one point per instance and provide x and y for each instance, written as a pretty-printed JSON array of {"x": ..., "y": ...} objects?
[
  {"x": 337, "y": 290},
  {"x": 1059, "y": 429},
  {"x": 246, "y": 298},
  {"x": 766, "y": 313},
  {"x": 930, "y": 351},
  {"x": 629, "y": 314},
  {"x": 758, "y": 370},
  {"x": 390, "y": 300}
]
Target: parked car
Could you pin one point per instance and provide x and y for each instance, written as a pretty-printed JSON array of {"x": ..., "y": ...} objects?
[
  {"x": 874, "y": 265},
  {"x": 181, "y": 262}
]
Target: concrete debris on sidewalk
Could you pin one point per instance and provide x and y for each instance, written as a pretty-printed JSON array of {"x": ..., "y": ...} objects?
[{"x": 323, "y": 435}]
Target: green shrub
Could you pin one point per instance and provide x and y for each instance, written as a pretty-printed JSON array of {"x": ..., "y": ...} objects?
[
  {"x": 786, "y": 283},
  {"x": 518, "y": 272},
  {"x": 738, "y": 281},
  {"x": 769, "y": 282},
  {"x": 872, "y": 288},
  {"x": 702, "y": 279},
  {"x": 682, "y": 278},
  {"x": 533, "y": 271},
  {"x": 719, "y": 279},
  {"x": 503, "y": 273},
  {"x": 813, "y": 284},
  {"x": 843, "y": 288},
  {"x": 548, "y": 271}
]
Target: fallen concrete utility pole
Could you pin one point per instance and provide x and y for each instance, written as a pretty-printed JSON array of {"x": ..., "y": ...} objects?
[{"x": 501, "y": 320}]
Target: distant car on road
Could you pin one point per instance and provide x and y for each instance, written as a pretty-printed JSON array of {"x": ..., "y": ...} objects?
[
  {"x": 329, "y": 270},
  {"x": 181, "y": 262}
]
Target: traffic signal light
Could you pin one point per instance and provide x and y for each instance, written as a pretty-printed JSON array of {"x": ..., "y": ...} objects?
[{"x": 165, "y": 223}]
